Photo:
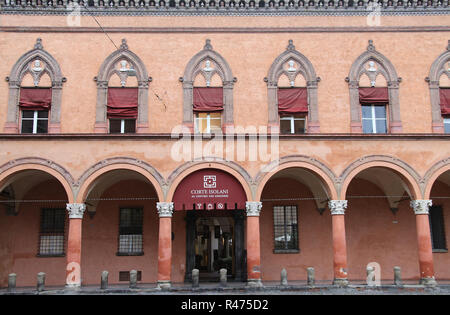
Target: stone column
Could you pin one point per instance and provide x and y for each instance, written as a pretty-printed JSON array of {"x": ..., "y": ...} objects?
[
  {"x": 165, "y": 211},
  {"x": 253, "y": 244},
  {"x": 426, "y": 266},
  {"x": 337, "y": 208},
  {"x": 73, "y": 269}
]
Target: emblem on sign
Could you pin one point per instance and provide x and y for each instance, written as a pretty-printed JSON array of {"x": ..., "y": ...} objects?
[
  {"x": 220, "y": 206},
  {"x": 209, "y": 181}
]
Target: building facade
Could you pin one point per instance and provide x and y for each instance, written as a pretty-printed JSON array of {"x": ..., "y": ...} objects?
[{"x": 164, "y": 137}]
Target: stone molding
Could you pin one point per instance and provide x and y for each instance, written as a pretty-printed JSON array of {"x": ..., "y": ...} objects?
[
  {"x": 165, "y": 209},
  {"x": 253, "y": 208},
  {"x": 337, "y": 207},
  {"x": 420, "y": 206},
  {"x": 305, "y": 69},
  {"x": 76, "y": 210},
  {"x": 387, "y": 70},
  {"x": 21, "y": 68}
]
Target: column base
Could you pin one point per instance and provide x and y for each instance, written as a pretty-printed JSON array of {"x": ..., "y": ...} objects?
[
  {"x": 254, "y": 283},
  {"x": 428, "y": 282},
  {"x": 73, "y": 287},
  {"x": 340, "y": 282},
  {"x": 163, "y": 285}
]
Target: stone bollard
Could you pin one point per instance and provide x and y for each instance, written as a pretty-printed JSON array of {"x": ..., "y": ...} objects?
[
  {"x": 12, "y": 282},
  {"x": 104, "y": 280},
  {"x": 311, "y": 276},
  {"x": 284, "y": 280},
  {"x": 223, "y": 277},
  {"x": 397, "y": 276},
  {"x": 133, "y": 279},
  {"x": 40, "y": 281},
  {"x": 195, "y": 278}
]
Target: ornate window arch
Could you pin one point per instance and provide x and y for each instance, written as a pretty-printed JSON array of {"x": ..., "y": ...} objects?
[
  {"x": 438, "y": 70},
  {"x": 195, "y": 67},
  {"x": 379, "y": 65},
  {"x": 305, "y": 69},
  {"x": 24, "y": 67},
  {"x": 107, "y": 70}
]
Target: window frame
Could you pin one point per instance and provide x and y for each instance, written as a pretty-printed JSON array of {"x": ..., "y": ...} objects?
[
  {"x": 208, "y": 122},
  {"x": 441, "y": 228},
  {"x": 57, "y": 232},
  {"x": 444, "y": 119},
  {"x": 35, "y": 121},
  {"x": 293, "y": 118},
  {"x": 296, "y": 230},
  {"x": 374, "y": 119},
  {"x": 122, "y": 126},
  {"x": 131, "y": 253}
]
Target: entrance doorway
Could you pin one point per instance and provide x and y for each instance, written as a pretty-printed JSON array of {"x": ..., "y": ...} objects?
[{"x": 215, "y": 240}]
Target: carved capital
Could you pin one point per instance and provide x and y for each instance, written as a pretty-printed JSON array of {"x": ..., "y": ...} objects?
[
  {"x": 420, "y": 206},
  {"x": 76, "y": 210},
  {"x": 253, "y": 208},
  {"x": 165, "y": 209},
  {"x": 337, "y": 206}
]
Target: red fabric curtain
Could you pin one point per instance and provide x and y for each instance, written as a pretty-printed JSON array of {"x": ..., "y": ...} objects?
[
  {"x": 444, "y": 95},
  {"x": 35, "y": 99},
  {"x": 373, "y": 95},
  {"x": 208, "y": 99},
  {"x": 122, "y": 103},
  {"x": 292, "y": 100}
]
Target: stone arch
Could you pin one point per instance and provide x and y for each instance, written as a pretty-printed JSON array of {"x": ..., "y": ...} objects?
[
  {"x": 193, "y": 68},
  {"x": 409, "y": 177},
  {"x": 305, "y": 69},
  {"x": 87, "y": 180},
  {"x": 107, "y": 69},
  {"x": 11, "y": 168},
  {"x": 432, "y": 175},
  {"x": 177, "y": 176},
  {"x": 21, "y": 68},
  {"x": 384, "y": 68},
  {"x": 438, "y": 68}
]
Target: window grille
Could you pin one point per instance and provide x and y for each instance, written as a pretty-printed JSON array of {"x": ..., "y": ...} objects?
[
  {"x": 51, "y": 237},
  {"x": 437, "y": 228},
  {"x": 130, "y": 232},
  {"x": 285, "y": 227}
]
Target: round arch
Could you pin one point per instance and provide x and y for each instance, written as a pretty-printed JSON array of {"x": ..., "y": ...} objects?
[
  {"x": 182, "y": 172},
  {"x": 407, "y": 174},
  {"x": 433, "y": 174},
  {"x": 87, "y": 181},
  {"x": 8, "y": 170}
]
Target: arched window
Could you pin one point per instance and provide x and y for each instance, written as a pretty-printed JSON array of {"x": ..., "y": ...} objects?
[
  {"x": 292, "y": 93},
  {"x": 208, "y": 92},
  {"x": 374, "y": 96},
  {"x": 122, "y": 93},
  {"x": 35, "y": 87},
  {"x": 439, "y": 82}
]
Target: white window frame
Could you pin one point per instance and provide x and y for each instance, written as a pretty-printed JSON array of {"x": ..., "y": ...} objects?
[
  {"x": 208, "y": 122},
  {"x": 34, "y": 119},
  {"x": 446, "y": 121},
  {"x": 293, "y": 119},
  {"x": 374, "y": 119}
]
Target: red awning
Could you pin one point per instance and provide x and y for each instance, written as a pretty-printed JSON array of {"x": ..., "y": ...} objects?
[
  {"x": 374, "y": 95},
  {"x": 209, "y": 189},
  {"x": 208, "y": 99},
  {"x": 122, "y": 103},
  {"x": 292, "y": 100},
  {"x": 444, "y": 96},
  {"x": 35, "y": 99}
]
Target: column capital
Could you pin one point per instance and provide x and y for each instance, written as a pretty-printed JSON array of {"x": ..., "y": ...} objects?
[
  {"x": 253, "y": 208},
  {"x": 165, "y": 209},
  {"x": 337, "y": 206},
  {"x": 76, "y": 210},
  {"x": 420, "y": 206}
]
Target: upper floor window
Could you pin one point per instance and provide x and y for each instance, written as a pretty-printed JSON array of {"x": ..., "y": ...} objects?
[
  {"x": 374, "y": 103},
  {"x": 292, "y": 124},
  {"x": 35, "y": 104},
  {"x": 208, "y": 107},
  {"x": 444, "y": 96},
  {"x": 122, "y": 109}
]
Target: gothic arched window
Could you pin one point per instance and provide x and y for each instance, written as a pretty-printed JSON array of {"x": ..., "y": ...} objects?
[
  {"x": 439, "y": 82},
  {"x": 208, "y": 92},
  {"x": 374, "y": 95},
  {"x": 292, "y": 93},
  {"x": 122, "y": 93},
  {"x": 35, "y": 87}
]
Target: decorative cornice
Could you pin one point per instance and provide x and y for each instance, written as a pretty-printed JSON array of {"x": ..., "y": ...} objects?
[
  {"x": 253, "y": 208},
  {"x": 420, "y": 206},
  {"x": 165, "y": 209},
  {"x": 76, "y": 210},
  {"x": 337, "y": 207}
]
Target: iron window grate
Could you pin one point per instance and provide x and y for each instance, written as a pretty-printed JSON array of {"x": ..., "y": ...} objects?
[
  {"x": 52, "y": 232},
  {"x": 130, "y": 232},
  {"x": 285, "y": 227}
]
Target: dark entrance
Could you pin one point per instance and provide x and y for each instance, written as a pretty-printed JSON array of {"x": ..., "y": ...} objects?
[{"x": 215, "y": 240}]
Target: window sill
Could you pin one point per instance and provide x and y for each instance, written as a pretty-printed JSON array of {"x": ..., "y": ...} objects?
[
  {"x": 440, "y": 250},
  {"x": 286, "y": 251},
  {"x": 50, "y": 255},
  {"x": 130, "y": 254}
]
